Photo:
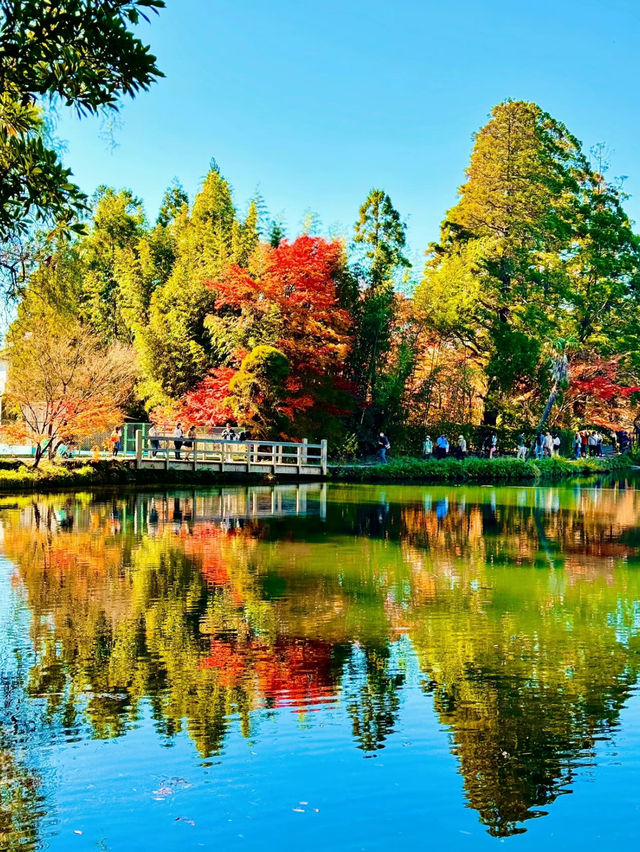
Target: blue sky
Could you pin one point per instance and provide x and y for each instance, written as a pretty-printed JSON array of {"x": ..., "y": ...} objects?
[{"x": 313, "y": 103}]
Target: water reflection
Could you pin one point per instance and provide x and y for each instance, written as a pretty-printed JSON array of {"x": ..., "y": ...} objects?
[{"x": 513, "y": 611}]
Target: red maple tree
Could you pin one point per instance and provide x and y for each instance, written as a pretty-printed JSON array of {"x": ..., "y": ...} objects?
[
  {"x": 288, "y": 299},
  {"x": 597, "y": 395}
]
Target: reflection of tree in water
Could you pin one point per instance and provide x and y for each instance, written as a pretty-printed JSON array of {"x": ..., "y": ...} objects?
[
  {"x": 211, "y": 622},
  {"x": 21, "y": 796},
  {"x": 21, "y": 805},
  {"x": 518, "y": 746},
  {"x": 526, "y": 690},
  {"x": 178, "y": 617},
  {"x": 372, "y": 695}
]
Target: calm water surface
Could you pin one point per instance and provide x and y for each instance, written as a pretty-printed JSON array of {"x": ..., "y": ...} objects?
[{"x": 313, "y": 667}]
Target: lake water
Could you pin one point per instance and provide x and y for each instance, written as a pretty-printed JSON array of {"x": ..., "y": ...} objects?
[{"x": 322, "y": 667}]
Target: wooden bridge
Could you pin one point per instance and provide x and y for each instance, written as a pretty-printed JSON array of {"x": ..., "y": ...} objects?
[{"x": 166, "y": 452}]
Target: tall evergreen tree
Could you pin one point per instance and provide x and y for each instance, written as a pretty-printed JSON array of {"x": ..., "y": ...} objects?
[
  {"x": 382, "y": 235},
  {"x": 516, "y": 267},
  {"x": 180, "y": 341},
  {"x": 173, "y": 201}
]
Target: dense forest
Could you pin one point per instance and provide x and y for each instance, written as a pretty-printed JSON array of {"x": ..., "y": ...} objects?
[{"x": 527, "y": 307}]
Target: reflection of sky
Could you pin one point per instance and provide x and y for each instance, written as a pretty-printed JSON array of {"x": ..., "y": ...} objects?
[
  {"x": 300, "y": 776},
  {"x": 301, "y": 781},
  {"x": 14, "y": 620}
]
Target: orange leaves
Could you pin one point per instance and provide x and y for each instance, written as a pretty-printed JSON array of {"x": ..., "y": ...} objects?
[
  {"x": 205, "y": 404},
  {"x": 596, "y": 394},
  {"x": 287, "y": 300},
  {"x": 598, "y": 377},
  {"x": 294, "y": 288}
]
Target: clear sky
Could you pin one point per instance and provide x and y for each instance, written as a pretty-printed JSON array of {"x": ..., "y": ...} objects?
[{"x": 313, "y": 104}]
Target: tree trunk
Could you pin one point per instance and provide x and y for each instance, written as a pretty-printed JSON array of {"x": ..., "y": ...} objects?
[
  {"x": 37, "y": 456},
  {"x": 560, "y": 372}
]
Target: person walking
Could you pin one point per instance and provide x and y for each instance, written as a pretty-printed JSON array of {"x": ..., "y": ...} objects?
[
  {"x": 521, "y": 451},
  {"x": 599, "y": 440},
  {"x": 427, "y": 448},
  {"x": 556, "y": 444},
  {"x": 178, "y": 435},
  {"x": 591, "y": 443},
  {"x": 442, "y": 447},
  {"x": 154, "y": 439},
  {"x": 461, "y": 448},
  {"x": 188, "y": 444},
  {"x": 577, "y": 442},
  {"x": 383, "y": 447},
  {"x": 493, "y": 446},
  {"x": 584, "y": 443},
  {"x": 548, "y": 445},
  {"x": 539, "y": 445},
  {"x": 116, "y": 441}
]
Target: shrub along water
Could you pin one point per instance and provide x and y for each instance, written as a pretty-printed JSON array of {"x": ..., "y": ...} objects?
[{"x": 477, "y": 470}]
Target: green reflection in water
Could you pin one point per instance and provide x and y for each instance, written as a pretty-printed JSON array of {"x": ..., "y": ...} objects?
[{"x": 520, "y": 606}]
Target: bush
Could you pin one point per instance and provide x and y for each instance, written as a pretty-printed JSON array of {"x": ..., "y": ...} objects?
[{"x": 472, "y": 469}]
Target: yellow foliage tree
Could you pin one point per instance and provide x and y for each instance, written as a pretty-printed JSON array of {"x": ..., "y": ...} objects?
[{"x": 63, "y": 382}]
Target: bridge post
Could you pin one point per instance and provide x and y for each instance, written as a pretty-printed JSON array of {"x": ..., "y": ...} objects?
[
  {"x": 323, "y": 456},
  {"x": 138, "y": 447},
  {"x": 195, "y": 453}
]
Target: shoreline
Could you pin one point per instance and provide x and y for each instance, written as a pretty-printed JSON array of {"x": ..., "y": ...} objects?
[{"x": 507, "y": 471}]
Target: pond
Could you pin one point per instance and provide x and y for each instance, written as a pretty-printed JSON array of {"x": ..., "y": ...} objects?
[{"x": 329, "y": 667}]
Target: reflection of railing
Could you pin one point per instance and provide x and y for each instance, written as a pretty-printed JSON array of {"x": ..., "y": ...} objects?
[
  {"x": 282, "y": 457},
  {"x": 228, "y": 505}
]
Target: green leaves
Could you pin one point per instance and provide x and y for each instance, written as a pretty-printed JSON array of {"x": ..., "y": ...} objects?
[
  {"x": 81, "y": 52},
  {"x": 537, "y": 248}
]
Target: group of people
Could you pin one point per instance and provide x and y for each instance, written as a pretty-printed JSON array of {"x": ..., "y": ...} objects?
[
  {"x": 185, "y": 440},
  {"x": 587, "y": 444},
  {"x": 443, "y": 448},
  {"x": 546, "y": 446}
]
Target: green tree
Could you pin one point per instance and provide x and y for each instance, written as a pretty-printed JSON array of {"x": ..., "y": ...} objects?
[
  {"x": 257, "y": 391},
  {"x": 118, "y": 224},
  {"x": 173, "y": 201},
  {"x": 537, "y": 248},
  {"x": 178, "y": 341},
  {"x": 80, "y": 53},
  {"x": 382, "y": 235}
]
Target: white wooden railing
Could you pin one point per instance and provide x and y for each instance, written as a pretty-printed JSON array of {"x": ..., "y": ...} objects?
[{"x": 286, "y": 457}]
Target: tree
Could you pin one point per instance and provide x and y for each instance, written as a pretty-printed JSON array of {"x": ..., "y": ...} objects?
[
  {"x": 282, "y": 340},
  {"x": 63, "y": 382},
  {"x": 176, "y": 345},
  {"x": 382, "y": 235},
  {"x": 258, "y": 393},
  {"x": 537, "y": 249},
  {"x": 288, "y": 299},
  {"x": 118, "y": 224},
  {"x": 173, "y": 200},
  {"x": 78, "y": 52}
]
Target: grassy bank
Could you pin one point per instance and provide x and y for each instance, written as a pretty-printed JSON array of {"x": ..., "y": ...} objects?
[
  {"x": 507, "y": 470},
  {"x": 71, "y": 475},
  {"x": 16, "y": 477}
]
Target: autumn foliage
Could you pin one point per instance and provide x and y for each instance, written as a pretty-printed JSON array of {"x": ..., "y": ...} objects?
[
  {"x": 292, "y": 340},
  {"x": 596, "y": 393}
]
